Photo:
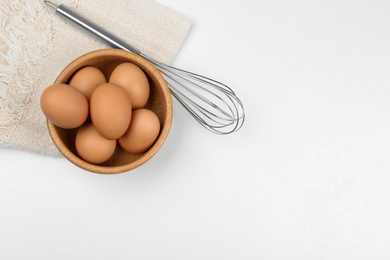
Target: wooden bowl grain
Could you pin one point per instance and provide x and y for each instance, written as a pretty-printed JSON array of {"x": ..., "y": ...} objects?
[{"x": 159, "y": 102}]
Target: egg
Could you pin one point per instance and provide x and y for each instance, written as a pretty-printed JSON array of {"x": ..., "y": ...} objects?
[
  {"x": 92, "y": 146},
  {"x": 64, "y": 106},
  {"x": 142, "y": 133},
  {"x": 132, "y": 79},
  {"x": 87, "y": 79},
  {"x": 110, "y": 110}
]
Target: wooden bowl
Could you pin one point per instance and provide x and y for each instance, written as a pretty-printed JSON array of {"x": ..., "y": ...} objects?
[{"x": 159, "y": 102}]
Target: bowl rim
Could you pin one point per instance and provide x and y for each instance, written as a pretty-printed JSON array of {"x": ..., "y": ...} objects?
[{"x": 150, "y": 69}]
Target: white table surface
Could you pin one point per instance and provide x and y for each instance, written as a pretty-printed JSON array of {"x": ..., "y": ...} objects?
[{"x": 307, "y": 177}]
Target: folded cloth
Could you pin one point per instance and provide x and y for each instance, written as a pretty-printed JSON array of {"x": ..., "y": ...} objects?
[{"x": 35, "y": 45}]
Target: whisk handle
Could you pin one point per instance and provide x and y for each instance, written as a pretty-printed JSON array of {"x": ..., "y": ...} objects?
[{"x": 93, "y": 29}]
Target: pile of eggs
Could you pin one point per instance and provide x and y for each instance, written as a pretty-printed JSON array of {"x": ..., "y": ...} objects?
[{"x": 106, "y": 113}]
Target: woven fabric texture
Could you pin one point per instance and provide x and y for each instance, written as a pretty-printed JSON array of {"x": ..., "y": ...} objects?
[{"x": 35, "y": 45}]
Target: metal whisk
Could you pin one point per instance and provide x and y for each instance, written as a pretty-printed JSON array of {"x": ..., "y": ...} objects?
[{"x": 213, "y": 104}]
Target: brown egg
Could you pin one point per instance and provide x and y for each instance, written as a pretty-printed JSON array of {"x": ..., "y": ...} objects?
[
  {"x": 64, "y": 106},
  {"x": 110, "y": 110},
  {"x": 92, "y": 146},
  {"x": 87, "y": 79},
  {"x": 142, "y": 133},
  {"x": 132, "y": 79}
]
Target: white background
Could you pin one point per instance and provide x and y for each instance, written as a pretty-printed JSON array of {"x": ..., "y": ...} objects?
[{"x": 307, "y": 177}]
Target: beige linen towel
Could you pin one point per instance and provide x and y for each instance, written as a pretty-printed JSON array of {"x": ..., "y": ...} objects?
[{"x": 35, "y": 45}]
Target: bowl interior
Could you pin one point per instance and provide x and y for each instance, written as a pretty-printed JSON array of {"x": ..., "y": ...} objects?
[{"x": 159, "y": 102}]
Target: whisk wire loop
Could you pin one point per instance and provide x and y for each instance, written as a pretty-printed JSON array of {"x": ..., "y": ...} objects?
[{"x": 213, "y": 104}]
